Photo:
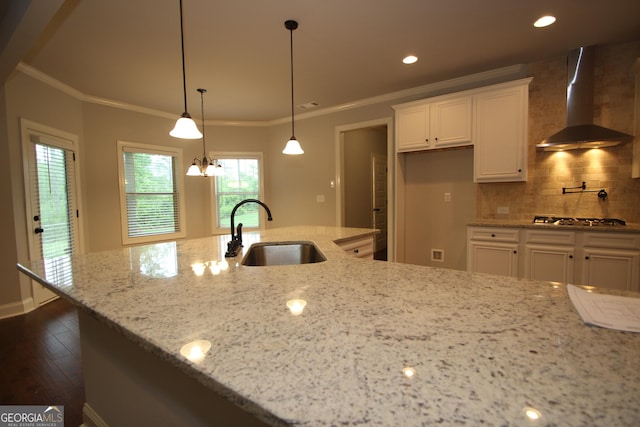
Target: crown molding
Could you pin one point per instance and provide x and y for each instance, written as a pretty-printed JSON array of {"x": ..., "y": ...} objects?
[
  {"x": 485, "y": 77},
  {"x": 513, "y": 71}
]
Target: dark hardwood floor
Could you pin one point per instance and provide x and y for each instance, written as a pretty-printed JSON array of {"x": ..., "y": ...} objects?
[{"x": 41, "y": 361}]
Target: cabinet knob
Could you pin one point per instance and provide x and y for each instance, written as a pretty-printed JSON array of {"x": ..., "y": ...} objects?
[
  {"x": 519, "y": 170},
  {"x": 426, "y": 140},
  {"x": 355, "y": 251},
  {"x": 515, "y": 252},
  {"x": 436, "y": 138},
  {"x": 570, "y": 256},
  {"x": 493, "y": 235},
  {"x": 586, "y": 257}
]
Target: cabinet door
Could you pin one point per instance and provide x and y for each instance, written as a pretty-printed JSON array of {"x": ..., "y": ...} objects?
[
  {"x": 413, "y": 128},
  {"x": 500, "y": 135},
  {"x": 451, "y": 122},
  {"x": 493, "y": 258},
  {"x": 612, "y": 269},
  {"x": 549, "y": 263}
]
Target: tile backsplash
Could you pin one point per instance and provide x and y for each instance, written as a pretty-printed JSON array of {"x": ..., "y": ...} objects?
[{"x": 606, "y": 168}]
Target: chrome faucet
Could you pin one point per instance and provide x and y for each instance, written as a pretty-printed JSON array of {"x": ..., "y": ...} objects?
[{"x": 236, "y": 236}]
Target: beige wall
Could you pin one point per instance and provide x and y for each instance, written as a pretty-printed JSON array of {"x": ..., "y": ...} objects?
[
  {"x": 104, "y": 126},
  {"x": 295, "y": 181},
  {"x": 432, "y": 223},
  {"x": 607, "y": 168}
]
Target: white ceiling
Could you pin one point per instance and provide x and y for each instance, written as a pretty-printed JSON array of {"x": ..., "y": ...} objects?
[{"x": 344, "y": 50}]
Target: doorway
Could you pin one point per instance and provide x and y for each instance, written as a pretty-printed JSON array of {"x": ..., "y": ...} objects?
[
  {"x": 51, "y": 192},
  {"x": 363, "y": 183}
]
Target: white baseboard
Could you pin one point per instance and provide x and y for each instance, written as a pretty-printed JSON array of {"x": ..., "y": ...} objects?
[
  {"x": 17, "y": 308},
  {"x": 90, "y": 418}
]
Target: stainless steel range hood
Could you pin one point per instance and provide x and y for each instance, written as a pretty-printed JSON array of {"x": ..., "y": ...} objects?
[{"x": 580, "y": 131}]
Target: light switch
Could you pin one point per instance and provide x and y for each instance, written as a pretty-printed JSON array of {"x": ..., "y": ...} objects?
[{"x": 447, "y": 197}]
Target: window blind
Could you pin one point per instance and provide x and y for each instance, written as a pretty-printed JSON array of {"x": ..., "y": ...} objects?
[{"x": 151, "y": 193}]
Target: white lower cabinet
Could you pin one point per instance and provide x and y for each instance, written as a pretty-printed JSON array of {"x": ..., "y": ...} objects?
[
  {"x": 549, "y": 255},
  {"x": 493, "y": 251},
  {"x": 608, "y": 260},
  {"x": 359, "y": 247},
  {"x": 611, "y": 261}
]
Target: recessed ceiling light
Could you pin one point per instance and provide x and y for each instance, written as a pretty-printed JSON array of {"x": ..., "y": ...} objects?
[
  {"x": 410, "y": 59},
  {"x": 544, "y": 21}
]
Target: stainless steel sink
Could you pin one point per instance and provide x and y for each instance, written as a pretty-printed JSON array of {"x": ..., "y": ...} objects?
[{"x": 282, "y": 253}]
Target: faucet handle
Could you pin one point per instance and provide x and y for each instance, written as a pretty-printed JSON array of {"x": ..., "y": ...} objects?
[{"x": 239, "y": 234}]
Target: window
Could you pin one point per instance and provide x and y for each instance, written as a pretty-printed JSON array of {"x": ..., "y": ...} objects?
[
  {"x": 151, "y": 202},
  {"x": 242, "y": 179}
]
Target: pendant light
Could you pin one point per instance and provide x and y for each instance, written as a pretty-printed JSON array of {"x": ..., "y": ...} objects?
[
  {"x": 185, "y": 126},
  {"x": 205, "y": 167},
  {"x": 293, "y": 146}
]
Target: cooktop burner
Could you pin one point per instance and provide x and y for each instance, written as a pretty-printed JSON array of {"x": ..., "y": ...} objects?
[{"x": 587, "y": 222}]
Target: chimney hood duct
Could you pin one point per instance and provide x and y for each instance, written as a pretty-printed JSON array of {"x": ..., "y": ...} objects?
[{"x": 580, "y": 131}]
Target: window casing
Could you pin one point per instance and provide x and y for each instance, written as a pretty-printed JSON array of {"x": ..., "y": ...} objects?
[
  {"x": 151, "y": 193},
  {"x": 242, "y": 179}
]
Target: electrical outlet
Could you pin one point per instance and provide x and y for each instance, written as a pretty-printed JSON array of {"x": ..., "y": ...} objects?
[
  {"x": 447, "y": 197},
  {"x": 437, "y": 255},
  {"x": 503, "y": 210},
  {"x": 320, "y": 198}
]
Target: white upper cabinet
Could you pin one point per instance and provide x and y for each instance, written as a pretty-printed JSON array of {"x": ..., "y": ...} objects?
[
  {"x": 493, "y": 119},
  {"x": 451, "y": 122},
  {"x": 500, "y": 134},
  {"x": 413, "y": 128},
  {"x": 434, "y": 123}
]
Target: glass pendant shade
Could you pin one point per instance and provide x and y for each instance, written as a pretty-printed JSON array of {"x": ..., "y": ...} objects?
[
  {"x": 293, "y": 147},
  {"x": 186, "y": 128},
  {"x": 210, "y": 170},
  {"x": 194, "y": 170},
  {"x": 215, "y": 169}
]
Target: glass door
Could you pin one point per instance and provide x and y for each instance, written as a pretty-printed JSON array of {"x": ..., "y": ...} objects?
[{"x": 53, "y": 214}]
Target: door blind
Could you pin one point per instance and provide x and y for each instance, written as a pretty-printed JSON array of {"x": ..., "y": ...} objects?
[{"x": 54, "y": 207}]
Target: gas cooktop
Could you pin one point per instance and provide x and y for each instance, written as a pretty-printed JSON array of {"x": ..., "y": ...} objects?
[{"x": 587, "y": 222}]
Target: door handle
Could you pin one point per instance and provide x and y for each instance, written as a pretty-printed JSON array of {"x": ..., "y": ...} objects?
[
  {"x": 38, "y": 230},
  {"x": 376, "y": 209}
]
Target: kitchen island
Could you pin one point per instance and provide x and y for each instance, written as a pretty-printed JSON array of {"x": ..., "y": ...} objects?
[{"x": 377, "y": 343}]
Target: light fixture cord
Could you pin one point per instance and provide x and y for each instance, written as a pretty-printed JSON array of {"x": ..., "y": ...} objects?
[
  {"x": 292, "y": 118},
  {"x": 204, "y": 150},
  {"x": 184, "y": 74}
]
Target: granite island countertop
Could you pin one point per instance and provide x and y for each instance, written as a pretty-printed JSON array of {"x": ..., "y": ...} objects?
[{"x": 485, "y": 350}]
